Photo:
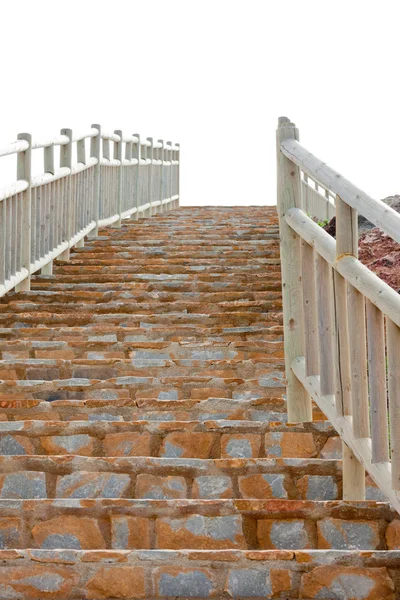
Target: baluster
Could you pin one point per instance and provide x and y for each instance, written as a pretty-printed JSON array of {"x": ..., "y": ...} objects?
[{"x": 24, "y": 173}]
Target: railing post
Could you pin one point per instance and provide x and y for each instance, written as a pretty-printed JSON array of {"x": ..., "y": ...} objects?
[
  {"x": 150, "y": 155},
  {"x": 170, "y": 156},
  {"x": 136, "y": 154},
  {"x": 24, "y": 174},
  {"x": 81, "y": 158},
  {"x": 66, "y": 161},
  {"x": 118, "y": 156},
  {"x": 95, "y": 152},
  {"x": 162, "y": 154},
  {"x": 178, "y": 176},
  {"x": 299, "y": 405},
  {"x": 49, "y": 167},
  {"x": 352, "y": 335}
]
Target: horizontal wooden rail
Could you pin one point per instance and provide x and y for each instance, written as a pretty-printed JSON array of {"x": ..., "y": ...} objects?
[
  {"x": 376, "y": 211},
  {"x": 341, "y": 321},
  {"x": 43, "y": 216}
]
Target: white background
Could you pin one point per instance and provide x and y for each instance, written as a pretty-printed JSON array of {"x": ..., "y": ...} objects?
[{"x": 214, "y": 76}]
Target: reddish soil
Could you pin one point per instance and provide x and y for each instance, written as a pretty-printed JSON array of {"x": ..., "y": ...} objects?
[{"x": 378, "y": 252}]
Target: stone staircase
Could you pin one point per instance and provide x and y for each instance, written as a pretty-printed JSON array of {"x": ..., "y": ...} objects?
[{"x": 144, "y": 446}]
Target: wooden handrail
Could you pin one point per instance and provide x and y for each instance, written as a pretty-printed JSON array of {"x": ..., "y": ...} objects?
[
  {"x": 349, "y": 341},
  {"x": 43, "y": 216}
]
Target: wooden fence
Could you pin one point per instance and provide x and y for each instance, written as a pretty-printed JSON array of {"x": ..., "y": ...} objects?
[
  {"x": 42, "y": 217},
  {"x": 341, "y": 321}
]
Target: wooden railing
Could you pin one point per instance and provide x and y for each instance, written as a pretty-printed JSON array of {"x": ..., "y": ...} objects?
[
  {"x": 42, "y": 217},
  {"x": 341, "y": 321}
]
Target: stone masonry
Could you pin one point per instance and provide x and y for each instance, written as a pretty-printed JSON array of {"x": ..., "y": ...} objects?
[{"x": 145, "y": 451}]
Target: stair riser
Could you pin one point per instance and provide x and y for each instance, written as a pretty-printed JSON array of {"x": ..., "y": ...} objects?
[
  {"x": 149, "y": 575},
  {"x": 146, "y": 524}
]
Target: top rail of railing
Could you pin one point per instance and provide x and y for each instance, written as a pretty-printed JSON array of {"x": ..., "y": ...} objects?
[
  {"x": 341, "y": 321},
  {"x": 114, "y": 177}
]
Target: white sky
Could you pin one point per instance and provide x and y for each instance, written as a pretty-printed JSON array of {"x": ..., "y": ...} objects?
[{"x": 213, "y": 75}]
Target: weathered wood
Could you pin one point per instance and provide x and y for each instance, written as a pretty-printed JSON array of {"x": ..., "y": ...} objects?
[
  {"x": 342, "y": 347},
  {"x": 393, "y": 367},
  {"x": 358, "y": 361},
  {"x": 376, "y": 211},
  {"x": 310, "y": 308},
  {"x": 325, "y": 325},
  {"x": 360, "y": 277},
  {"x": 346, "y": 243},
  {"x": 24, "y": 173},
  {"x": 95, "y": 151},
  {"x": 380, "y": 472},
  {"x": 289, "y": 196},
  {"x": 377, "y": 383},
  {"x": 353, "y": 475}
]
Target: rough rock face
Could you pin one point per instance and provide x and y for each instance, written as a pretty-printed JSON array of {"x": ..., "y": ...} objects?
[
  {"x": 144, "y": 446},
  {"x": 381, "y": 254},
  {"x": 376, "y": 249}
]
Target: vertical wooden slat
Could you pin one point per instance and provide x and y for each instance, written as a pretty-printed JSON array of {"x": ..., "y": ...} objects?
[
  {"x": 95, "y": 152},
  {"x": 342, "y": 347},
  {"x": 393, "y": 364},
  {"x": 377, "y": 383},
  {"x": 310, "y": 309},
  {"x": 137, "y": 171},
  {"x": 289, "y": 195},
  {"x": 354, "y": 474},
  {"x": 118, "y": 156},
  {"x": 24, "y": 173},
  {"x": 325, "y": 326},
  {"x": 66, "y": 161},
  {"x": 3, "y": 233}
]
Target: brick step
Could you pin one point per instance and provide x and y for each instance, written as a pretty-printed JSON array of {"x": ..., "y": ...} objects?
[
  {"x": 188, "y": 439},
  {"x": 141, "y": 363},
  {"x": 117, "y": 405},
  {"x": 151, "y": 350},
  {"x": 71, "y": 476},
  {"x": 198, "y": 524},
  {"x": 179, "y": 333},
  {"x": 203, "y": 574},
  {"x": 111, "y": 307}
]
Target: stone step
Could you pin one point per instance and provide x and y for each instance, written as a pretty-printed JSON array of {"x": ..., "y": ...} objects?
[
  {"x": 141, "y": 388},
  {"x": 74, "y": 319},
  {"x": 117, "y": 405},
  {"x": 70, "y": 476},
  {"x": 138, "y": 307},
  {"x": 203, "y": 574},
  {"x": 189, "y": 439},
  {"x": 152, "y": 350},
  {"x": 196, "y": 524},
  {"x": 95, "y": 296},
  {"x": 141, "y": 363},
  {"x": 185, "y": 333},
  {"x": 41, "y": 284}
]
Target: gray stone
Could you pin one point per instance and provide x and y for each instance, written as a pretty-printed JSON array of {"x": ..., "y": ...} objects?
[
  {"x": 321, "y": 487},
  {"x": 212, "y": 486},
  {"x": 217, "y": 528},
  {"x": 348, "y": 535},
  {"x": 239, "y": 448},
  {"x": 249, "y": 583},
  {"x": 10, "y": 446},
  {"x": 92, "y": 485},
  {"x": 24, "y": 485},
  {"x": 190, "y": 584},
  {"x": 289, "y": 535},
  {"x": 72, "y": 443},
  {"x": 57, "y": 540},
  {"x": 276, "y": 481}
]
